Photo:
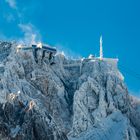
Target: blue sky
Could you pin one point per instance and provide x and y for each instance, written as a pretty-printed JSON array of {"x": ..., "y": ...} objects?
[{"x": 76, "y": 25}]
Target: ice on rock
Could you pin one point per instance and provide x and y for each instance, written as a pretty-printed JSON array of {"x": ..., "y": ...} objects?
[
  {"x": 114, "y": 127},
  {"x": 71, "y": 99}
]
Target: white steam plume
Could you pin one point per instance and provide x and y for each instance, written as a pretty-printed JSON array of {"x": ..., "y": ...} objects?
[{"x": 31, "y": 34}]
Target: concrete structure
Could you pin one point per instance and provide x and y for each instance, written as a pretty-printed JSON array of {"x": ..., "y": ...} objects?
[{"x": 39, "y": 49}]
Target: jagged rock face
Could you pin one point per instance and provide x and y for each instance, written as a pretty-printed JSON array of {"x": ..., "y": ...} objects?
[
  {"x": 19, "y": 123},
  {"x": 71, "y": 99}
]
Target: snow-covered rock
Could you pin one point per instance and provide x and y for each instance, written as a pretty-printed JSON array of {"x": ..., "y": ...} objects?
[{"x": 71, "y": 99}]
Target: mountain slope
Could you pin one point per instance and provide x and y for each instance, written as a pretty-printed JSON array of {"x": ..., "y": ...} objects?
[{"x": 71, "y": 99}]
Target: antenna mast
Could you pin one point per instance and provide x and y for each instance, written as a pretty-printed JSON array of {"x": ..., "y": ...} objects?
[{"x": 101, "y": 48}]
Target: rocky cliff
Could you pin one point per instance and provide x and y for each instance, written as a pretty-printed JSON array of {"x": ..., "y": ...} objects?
[{"x": 69, "y": 100}]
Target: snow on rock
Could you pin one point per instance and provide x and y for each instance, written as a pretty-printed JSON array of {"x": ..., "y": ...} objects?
[
  {"x": 114, "y": 127},
  {"x": 71, "y": 99}
]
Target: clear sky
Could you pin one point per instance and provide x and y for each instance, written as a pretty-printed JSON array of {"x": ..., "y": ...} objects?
[{"x": 76, "y": 25}]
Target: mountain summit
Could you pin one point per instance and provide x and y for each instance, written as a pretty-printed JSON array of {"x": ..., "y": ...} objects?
[{"x": 82, "y": 99}]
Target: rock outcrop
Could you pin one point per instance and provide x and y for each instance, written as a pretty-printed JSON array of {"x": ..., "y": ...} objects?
[{"x": 69, "y": 100}]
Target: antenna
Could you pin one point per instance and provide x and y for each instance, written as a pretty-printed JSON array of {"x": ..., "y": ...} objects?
[{"x": 101, "y": 48}]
